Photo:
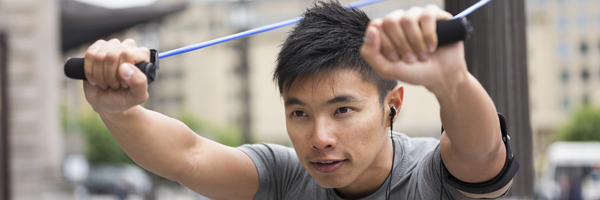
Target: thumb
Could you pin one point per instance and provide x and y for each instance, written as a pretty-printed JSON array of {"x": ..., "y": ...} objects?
[
  {"x": 371, "y": 52},
  {"x": 136, "y": 81}
]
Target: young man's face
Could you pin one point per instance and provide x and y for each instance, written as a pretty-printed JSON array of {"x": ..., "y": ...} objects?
[{"x": 337, "y": 126}]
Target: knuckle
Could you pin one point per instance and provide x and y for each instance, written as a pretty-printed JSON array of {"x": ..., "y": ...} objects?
[
  {"x": 112, "y": 57},
  {"x": 114, "y": 40},
  {"x": 408, "y": 21},
  {"x": 99, "y": 42},
  {"x": 126, "y": 53},
  {"x": 98, "y": 57},
  {"x": 427, "y": 16},
  {"x": 376, "y": 22},
  {"x": 89, "y": 55},
  {"x": 129, "y": 41},
  {"x": 388, "y": 22},
  {"x": 145, "y": 50}
]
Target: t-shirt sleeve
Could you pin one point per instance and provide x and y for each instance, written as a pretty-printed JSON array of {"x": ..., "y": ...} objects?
[
  {"x": 430, "y": 169},
  {"x": 278, "y": 169}
]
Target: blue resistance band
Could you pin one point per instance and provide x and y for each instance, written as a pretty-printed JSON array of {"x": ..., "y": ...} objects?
[
  {"x": 287, "y": 23},
  {"x": 251, "y": 32}
]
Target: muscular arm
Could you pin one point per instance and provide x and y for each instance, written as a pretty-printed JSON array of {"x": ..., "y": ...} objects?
[
  {"x": 471, "y": 146},
  {"x": 170, "y": 149},
  {"x": 472, "y": 140},
  {"x": 165, "y": 146}
]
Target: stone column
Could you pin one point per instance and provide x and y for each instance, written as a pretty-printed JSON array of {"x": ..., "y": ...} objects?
[
  {"x": 33, "y": 88},
  {"x": 496, "y": 54}
]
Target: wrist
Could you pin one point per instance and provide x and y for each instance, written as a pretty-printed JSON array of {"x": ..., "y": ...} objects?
[
  {"x": 129, "y": 113},
  {"x": 450, "y": 85}
]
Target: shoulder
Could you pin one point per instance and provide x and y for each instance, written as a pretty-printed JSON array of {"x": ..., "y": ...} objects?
[
  {"x": 270, "y": 155},
  {"x": 415, "y": 146},
  {"x": 281, "y": 175}
]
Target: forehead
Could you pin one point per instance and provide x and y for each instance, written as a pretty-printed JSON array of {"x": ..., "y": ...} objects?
[{"x": 323, "y": 88}]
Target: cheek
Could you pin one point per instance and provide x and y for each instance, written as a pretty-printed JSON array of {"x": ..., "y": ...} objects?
[
  {"x": 297, "y": 134},
  {"x": 364, "y": 133}
]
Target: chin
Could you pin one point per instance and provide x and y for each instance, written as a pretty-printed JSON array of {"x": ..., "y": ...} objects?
[{"x": 330, "y": 180}]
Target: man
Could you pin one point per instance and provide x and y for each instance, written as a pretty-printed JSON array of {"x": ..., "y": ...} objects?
[{"x": 338, "y": 116}]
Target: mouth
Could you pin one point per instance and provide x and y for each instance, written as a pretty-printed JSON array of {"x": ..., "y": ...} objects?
[{"x": 328, "y": 166}]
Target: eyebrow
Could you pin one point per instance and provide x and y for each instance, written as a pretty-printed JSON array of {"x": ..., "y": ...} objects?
[
  {"x": 338, "y": 99},
  {"x": 293, "y": 101},
  {"x": 341, "y": 99}
]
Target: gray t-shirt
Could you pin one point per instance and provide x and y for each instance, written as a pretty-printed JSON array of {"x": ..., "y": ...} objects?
[{"x": 417, "y": 173}]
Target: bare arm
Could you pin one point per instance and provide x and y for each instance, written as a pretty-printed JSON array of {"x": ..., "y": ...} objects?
[
  {"x": 156, "y": 142},
  {"x": 402, "y": 46}
]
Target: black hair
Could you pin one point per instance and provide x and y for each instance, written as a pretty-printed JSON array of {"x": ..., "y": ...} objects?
[{"x": 326, "y": 41}]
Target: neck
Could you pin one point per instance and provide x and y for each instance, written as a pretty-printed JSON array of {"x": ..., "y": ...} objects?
[{"x": 373, "y": 177}]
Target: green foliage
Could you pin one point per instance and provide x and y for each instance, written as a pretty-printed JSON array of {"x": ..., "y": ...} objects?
[
  {"x": 101, "y": 146},
  {"x": 583, "y": 125},
  {"x": 230, "y": 136}
]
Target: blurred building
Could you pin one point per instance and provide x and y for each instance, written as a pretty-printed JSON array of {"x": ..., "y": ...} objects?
[
  {"x": 206, "y": 82},
  {"x": 34, "y": 71},
  {"x": 564, "y": 62}
]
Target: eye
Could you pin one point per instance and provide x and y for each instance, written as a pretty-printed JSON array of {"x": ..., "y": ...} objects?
[
  {"x": 298, "y": 113},
  {"x": 343, "y": 110}
]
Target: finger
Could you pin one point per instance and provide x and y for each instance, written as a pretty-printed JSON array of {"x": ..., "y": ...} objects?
[
  {"x": 439, "y": 13},
  {"x": 129, "y": 42},
  {"x": 111, "y": 64},
  {"x": 393, "y": 30},
  {"x": 135, "y": 55},
  {"x": 137, "y": 82},
  {"x": 387, "y": 47},
  {"x": 99, "y": 60},
  {"x": 412, "y": 29},
  {"x": 371, "y": 52},
  {"x": 89, "y": 57},
  {"x": 428, "y": 25}
]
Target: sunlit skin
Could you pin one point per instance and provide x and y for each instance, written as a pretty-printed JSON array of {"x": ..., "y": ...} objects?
[{"x": 339, "y": 117}]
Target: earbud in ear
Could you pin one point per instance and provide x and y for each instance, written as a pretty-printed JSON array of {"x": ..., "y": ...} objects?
[{"x": 392, "y": 112}]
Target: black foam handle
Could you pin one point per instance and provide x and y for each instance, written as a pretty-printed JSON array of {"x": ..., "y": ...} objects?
[
  {"x": 452, "y": 31},
  {"x": 74, "y": 67}
]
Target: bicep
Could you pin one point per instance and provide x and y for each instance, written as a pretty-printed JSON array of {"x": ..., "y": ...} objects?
[{"x": 220, "y": 172}]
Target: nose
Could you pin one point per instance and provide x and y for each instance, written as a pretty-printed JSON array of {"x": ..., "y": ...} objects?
[{"x": 323, "y": 136}]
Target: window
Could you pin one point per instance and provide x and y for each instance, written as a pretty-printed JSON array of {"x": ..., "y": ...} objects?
[
  {"x": 563, "y": 50},
  {"x": 561, "y": 22},
  {"x": 585, "y": 74},
  {"x": 564, "y": 76},
  {"x": 583, "y": 48}
]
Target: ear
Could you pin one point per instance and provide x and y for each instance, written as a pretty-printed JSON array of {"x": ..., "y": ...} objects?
[{"x": 394, "y": 98}]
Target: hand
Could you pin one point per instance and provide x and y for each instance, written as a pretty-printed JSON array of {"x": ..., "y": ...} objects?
[
  {"x": 114, "y": 83},
  {"x": 402, "y": 46}
]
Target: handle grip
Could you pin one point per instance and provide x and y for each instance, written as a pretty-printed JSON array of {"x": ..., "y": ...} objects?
[
  {"x": 455, "y": 30},
  {"x": 74, "y": 67}
]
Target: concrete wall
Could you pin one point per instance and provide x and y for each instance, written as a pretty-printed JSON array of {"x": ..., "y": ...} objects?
[{"x": 34, "y": 74}]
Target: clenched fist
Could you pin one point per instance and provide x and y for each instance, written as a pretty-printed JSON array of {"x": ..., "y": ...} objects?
[
  {"x": 114, "y": 83},
  {"x": 403, "y": 46}
]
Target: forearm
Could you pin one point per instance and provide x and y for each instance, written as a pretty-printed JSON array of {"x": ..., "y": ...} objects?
[
  {"x": 154, "y": 141},
  {"x": 470, "y": 120}
]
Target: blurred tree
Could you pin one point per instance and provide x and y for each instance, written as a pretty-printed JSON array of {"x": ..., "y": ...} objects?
[
  {"x": 583, "y": 125},
  {"x": 101, "y": 146},
  {"x": 230, "y": 136}
]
